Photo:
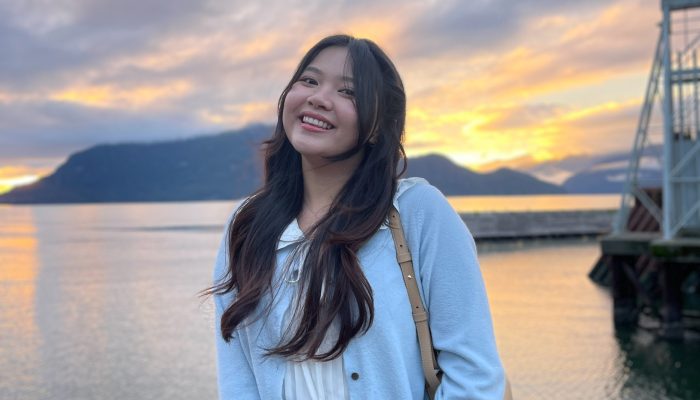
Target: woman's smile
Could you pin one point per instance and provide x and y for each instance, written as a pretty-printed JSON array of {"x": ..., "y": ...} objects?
[{"x": 315, "y": 122}]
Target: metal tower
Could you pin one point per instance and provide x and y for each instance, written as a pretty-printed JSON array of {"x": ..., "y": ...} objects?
[
  {"x": 675, "y": 71},
  {"x": 656, "y": 244}
]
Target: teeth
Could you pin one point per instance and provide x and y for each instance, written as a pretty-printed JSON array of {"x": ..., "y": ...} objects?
[{"x": 315, "y": 122}]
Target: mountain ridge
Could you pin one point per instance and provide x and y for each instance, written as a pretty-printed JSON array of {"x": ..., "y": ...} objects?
[{"x": 222, "y": 166}]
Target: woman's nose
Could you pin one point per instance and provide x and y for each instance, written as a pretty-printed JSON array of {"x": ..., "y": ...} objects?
[{"x": 319, "y": 99}]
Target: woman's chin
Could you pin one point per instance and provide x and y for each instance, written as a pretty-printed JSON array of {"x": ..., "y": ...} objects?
[
  {"x": 311, "y": 149},
  {"x": 314, "y": 158}
]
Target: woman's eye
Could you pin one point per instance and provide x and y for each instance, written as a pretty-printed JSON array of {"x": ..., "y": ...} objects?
[
  {"x": 308, "y": 81},
  {"x": 347, "y": 92}
]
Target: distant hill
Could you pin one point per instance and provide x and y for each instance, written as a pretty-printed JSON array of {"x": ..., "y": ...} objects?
[
  {"x": 608, "y": 174},
  {"x": 454, "y": 180},
  {"x": 222, "y": 166},
  {"x": 219, "y": 167},
  {"x": 601, "y": 173}
]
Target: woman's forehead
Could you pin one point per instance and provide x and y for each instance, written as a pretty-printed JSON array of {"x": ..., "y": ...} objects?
[{"x": 332, "y": 62}]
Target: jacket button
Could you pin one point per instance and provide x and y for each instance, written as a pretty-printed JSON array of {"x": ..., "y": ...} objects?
[{"x": 355, "y": 376}]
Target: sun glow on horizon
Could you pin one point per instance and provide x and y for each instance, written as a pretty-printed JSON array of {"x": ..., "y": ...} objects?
[
  {"x": 7, "y": 184},
  {"x": 14, "y": 176}
]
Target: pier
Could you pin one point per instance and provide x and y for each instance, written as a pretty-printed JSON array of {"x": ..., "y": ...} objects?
[
  {"x": 538, "y": 224},
  {"x": 652, "y": 255}
]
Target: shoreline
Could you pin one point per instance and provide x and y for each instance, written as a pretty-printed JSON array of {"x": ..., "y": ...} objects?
[{"x": 488, "y": 226}]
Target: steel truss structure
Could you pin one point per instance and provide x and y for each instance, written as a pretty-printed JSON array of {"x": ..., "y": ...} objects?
[{"x": 675, "y": 80}]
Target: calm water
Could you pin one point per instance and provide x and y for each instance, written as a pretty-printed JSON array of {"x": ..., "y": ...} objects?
[
  {"x": 99, "y": 302},
  {"x": 564, "y": 202}
]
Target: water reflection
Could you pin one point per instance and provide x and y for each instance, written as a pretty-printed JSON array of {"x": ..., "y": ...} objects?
[
  {"x": 18, "y": 270},
  {"x": 116, "y": 305},
  {"x": 99, "y": 301},
  {"x": 568, "y": 202},
  {"x": 648, "y": 368},
  {"x": 71, "y": 302},
  {"x": 552, "y": 324}
]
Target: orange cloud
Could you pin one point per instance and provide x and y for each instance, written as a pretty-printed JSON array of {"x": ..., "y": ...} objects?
[
  {"x": 487, "y": 137},
  {"x": 261, "y": 44},
  {"x": 169, "y": 54},
  {"x": 567, "y": 53},
  {"x": 240, "y": 114},
  {"x": 378, "y": 30},
  {"x": 486, "y": 111},
  {"x": 111, "y": 96}
]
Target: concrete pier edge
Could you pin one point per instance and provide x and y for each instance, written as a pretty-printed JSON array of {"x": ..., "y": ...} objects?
[{"x": 538, "y": 224}]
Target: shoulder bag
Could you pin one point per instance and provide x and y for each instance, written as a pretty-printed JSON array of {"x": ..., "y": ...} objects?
[{"x": 431, "y": 370}]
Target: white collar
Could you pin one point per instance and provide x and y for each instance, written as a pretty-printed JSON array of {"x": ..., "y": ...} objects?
[{"x": 293, "y": 234}]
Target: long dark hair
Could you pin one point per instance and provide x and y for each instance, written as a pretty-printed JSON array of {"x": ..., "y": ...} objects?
[{"x": 332, "y": 283}]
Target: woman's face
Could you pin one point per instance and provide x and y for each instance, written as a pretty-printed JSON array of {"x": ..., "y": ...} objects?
[{"x": 319, "y": 114}]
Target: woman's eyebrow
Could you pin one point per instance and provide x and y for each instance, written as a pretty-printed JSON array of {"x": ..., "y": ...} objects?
[{"x": 315, "y": 70}]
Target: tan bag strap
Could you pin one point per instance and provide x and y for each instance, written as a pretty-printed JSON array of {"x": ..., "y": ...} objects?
[{"x": 420, "y": 315}]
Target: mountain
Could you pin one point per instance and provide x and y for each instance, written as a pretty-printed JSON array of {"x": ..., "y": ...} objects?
[
  {"x": 454, "y": 180},
  {"x": 608, "y": 173},
  {"x": 218, "y": 167},
  {"x": 222, "y": 166},
  {"x": 600, "y": 173}
]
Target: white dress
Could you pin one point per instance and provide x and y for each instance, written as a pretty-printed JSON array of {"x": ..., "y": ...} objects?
[
  {"x": 315, "y": 380},
  {"x": 311, "y": 379}
]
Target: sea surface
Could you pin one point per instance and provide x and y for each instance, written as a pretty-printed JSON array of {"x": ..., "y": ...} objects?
[{"x": 99, "y": 301}]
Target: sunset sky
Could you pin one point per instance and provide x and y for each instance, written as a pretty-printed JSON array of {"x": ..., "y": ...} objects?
[{"x": 489, "y": 83}]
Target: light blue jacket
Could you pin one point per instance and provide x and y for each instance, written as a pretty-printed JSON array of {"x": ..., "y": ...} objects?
[{"x": 384, "y": 363}]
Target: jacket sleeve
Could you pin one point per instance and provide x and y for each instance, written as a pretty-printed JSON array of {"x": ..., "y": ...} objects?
[
  {"x": 234, "y": 373},
  {"x": 455, "y": 296}
]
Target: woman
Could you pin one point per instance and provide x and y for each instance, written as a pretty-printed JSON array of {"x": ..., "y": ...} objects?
[{"x": 310, "y": 301}]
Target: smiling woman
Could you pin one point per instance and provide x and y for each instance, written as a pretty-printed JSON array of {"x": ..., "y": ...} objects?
[{"x": 310, "y": 299}]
